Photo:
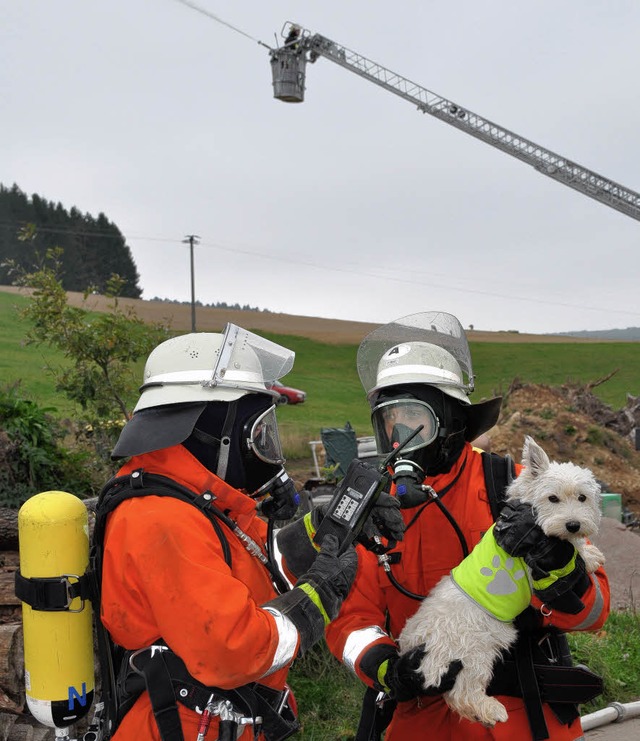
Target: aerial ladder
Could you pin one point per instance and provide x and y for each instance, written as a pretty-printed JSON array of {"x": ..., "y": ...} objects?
[{"x": 288, "y": 65}]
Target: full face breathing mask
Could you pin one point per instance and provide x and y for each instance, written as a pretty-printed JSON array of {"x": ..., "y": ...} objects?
[
  {"x": 239, "y": 442},
  {"x": 396, "y": 415}
]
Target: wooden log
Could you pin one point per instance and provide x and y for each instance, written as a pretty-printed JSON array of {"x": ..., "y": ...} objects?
[
  {"x": 21, "y": 732},
  {"x": 27, "y": 728},
  {"x": 6, "y": 722},
  {"x": 12, "y": 663},
  {"x": 8, "y": 529},
  {"x": 8, "y": 568},
  {"x": 9, "y": 524}
]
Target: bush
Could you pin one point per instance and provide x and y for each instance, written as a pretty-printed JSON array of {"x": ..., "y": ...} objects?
[{"x": 32, "y": 457}]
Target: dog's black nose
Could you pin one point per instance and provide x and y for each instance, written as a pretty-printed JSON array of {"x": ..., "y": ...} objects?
[{"x": 572, "y": 526}]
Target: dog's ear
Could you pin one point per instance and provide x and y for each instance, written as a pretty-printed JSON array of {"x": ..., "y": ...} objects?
[{"x": 534, "y": 458}]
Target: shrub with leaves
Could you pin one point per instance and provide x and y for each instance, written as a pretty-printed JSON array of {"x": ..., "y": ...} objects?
[
  {"x": 32, "y": 457},
  {"x": 101, "y": 348}
]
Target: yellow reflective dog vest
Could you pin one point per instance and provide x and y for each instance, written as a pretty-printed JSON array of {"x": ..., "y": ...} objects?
[{"x": 497, "y": 582}]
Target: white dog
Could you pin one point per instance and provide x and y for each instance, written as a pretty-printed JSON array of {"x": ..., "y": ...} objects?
[{"x": 452, "y": 626}]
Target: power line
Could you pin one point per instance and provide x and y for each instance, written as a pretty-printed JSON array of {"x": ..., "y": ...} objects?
[{"x": 335, "y": 269}]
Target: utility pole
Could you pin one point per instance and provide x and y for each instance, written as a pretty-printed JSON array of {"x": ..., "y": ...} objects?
[{"x": 192, "y": 239}]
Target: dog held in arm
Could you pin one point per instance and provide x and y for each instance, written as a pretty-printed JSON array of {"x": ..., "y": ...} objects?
[{"x": 468, "y": 615}]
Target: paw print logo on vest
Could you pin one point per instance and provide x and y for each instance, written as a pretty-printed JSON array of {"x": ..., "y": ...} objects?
[{"x": 504, "y": 579}]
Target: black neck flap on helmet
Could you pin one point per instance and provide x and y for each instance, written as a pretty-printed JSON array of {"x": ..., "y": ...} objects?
[
  {"x": 238, "y": 441},
  {"x": 219, "y": 441}
]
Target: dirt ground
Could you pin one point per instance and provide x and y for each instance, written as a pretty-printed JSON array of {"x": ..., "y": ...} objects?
[
  {"x": 551, "y": 416},
  {"x": 621, "y": 548}
]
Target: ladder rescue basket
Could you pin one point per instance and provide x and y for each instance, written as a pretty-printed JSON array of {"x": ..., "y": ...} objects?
[{"x": 288, "y": 67}]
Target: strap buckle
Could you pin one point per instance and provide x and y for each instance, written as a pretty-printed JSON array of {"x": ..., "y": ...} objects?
[{"x": 70, "y": 592}]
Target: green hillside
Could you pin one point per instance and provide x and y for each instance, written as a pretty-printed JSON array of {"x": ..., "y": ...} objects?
[{"x": 328, "y": 373}]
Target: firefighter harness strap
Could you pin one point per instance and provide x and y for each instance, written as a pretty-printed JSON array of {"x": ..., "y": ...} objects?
[{"x": 166, "y": 679}]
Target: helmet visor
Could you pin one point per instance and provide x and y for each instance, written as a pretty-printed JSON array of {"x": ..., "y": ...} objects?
[
  {"x": 395, "y": 420},
  {"x": 432, "y": 328},
  {"x": 263, "y": 438}
]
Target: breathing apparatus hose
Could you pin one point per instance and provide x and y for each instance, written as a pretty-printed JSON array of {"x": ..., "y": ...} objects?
[
  {"x": 437, "y": 498},
  {"x": 255, "y": 550}
]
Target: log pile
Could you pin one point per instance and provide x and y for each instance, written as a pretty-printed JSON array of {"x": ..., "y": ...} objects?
[{"x": 16, "y": 723}]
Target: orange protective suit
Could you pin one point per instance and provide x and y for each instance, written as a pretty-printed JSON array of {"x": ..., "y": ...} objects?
[
  {"x": 165, "y": 576},
  {"x": 430, "y": 549}
]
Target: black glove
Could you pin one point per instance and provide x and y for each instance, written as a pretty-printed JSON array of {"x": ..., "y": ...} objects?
[
  {"x": 398, "y": 675},
  {"x": 283, "y": 500},
  {"x": 318, "y": 594},
  {"x": 295, "y": 540},
  {"x": 517, "y": 533},
  {"x": 385, "y": 521}
]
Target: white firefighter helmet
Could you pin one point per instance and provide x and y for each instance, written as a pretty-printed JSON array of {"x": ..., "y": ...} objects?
[
  {"x": 185, "y": 373},
  {"x": 208, "y": 366},
  {"x": 431, "y": 349},
  {"x": 428, "y": 348},
  {"x": 421, "y": 362}
]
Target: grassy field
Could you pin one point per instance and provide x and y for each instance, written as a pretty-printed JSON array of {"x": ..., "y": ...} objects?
[
  {"x": 327, "y": 372},
  {"x": 329, "y": 697}
]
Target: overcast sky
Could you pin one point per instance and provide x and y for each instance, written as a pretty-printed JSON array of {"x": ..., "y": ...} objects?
[{"x": 351, "y": 205}]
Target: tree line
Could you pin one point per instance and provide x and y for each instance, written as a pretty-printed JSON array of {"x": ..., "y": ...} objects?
[{"x": 93, "y": 248}]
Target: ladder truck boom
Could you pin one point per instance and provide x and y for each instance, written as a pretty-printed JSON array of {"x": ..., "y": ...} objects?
[{"x": 288, "y": 64}]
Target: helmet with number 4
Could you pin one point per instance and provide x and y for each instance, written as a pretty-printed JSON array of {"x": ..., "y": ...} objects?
[{"x": 416, "y": 371}]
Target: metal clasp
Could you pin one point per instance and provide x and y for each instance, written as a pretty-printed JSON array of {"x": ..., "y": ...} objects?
[
  {"x": 545, "y": 645},
  {"x": 68, "y": 586},
  {"x": 134, "y": 654}
]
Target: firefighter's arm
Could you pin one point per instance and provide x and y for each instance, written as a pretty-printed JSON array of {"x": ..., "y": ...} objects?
[
  {"x": 593, "y": 603},
  {"x": 560, "y": 583},
  {"x": 357, "y": 639},
  {"x": 317, "y": 595},
  {"x": 359, "y": 626}
]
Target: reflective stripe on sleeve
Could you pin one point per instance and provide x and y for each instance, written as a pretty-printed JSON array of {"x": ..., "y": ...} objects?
[
  {"x": 277, "y": 554},
  {"x": 287, "y": 641},
  {"x": 315, "y": 598},
  {"x": 358, "y": 641},
  {"x": 311, "y": 531},
  {"x": 596, "y": 610}
]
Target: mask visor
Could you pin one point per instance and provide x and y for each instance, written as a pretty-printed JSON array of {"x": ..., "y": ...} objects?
[
  {"x": 396, "y": 419},
  {"x": 264, "y": 440}
]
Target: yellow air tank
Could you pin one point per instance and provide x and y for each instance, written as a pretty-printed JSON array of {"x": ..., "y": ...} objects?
[{"x": 53, "y": 537}]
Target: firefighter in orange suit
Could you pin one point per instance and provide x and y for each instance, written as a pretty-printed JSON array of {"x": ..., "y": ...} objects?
[
  {"x": 412, "y": 370},
  {"x": 203, "y": 638}
]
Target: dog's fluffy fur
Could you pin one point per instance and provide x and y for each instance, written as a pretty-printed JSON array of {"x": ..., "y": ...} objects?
[{"x": 450, "y": 625}]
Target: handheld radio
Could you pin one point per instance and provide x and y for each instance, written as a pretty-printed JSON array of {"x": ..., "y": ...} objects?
[{"x": 355, "y": 497}]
